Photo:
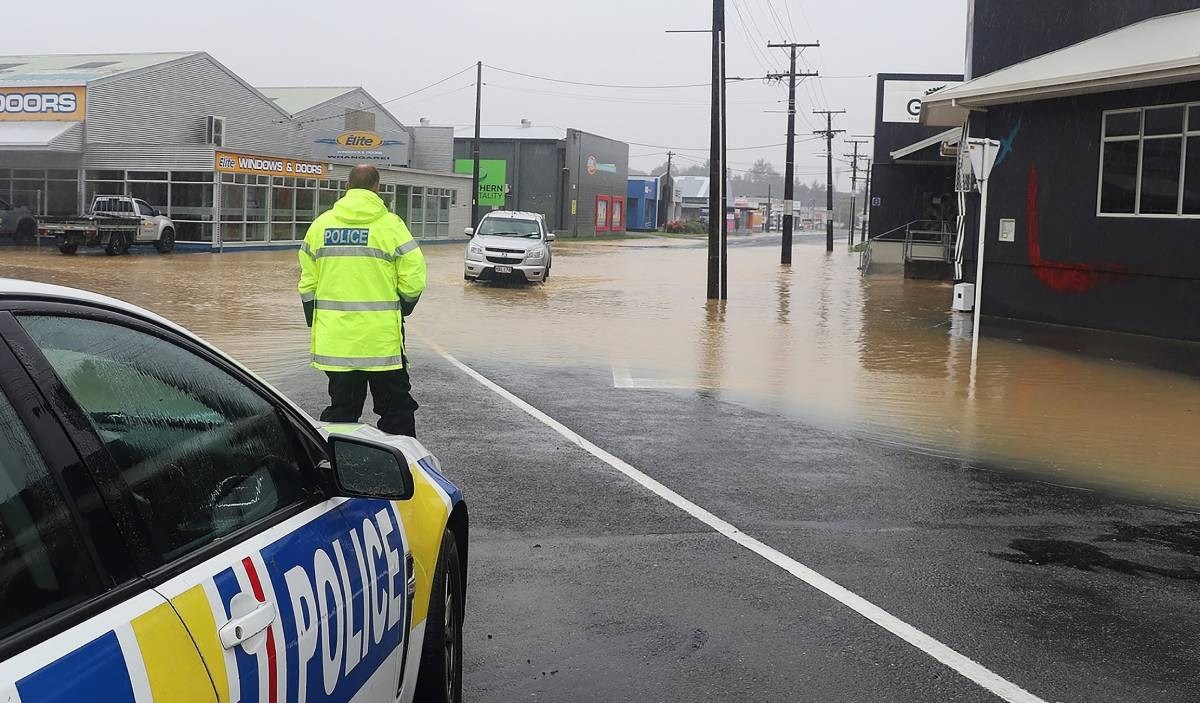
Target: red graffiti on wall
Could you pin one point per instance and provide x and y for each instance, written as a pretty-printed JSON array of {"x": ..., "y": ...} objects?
[{"x": 1058, "y": 276}]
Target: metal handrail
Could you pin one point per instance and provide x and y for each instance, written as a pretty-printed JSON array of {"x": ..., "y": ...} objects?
[{"x": 940, "y": 227}]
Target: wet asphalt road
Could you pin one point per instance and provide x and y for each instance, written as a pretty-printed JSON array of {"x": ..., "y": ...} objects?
[{"x": 585, "y": 586}]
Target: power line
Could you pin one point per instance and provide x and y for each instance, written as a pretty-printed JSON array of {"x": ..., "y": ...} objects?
[
  {"x": 598, "y": 85},
  {"x": 763, "y": 59},
  {"x": 778, "y": 23},
  {"x": 396, "y": 99},
  {"x": 631, "y": 101}
]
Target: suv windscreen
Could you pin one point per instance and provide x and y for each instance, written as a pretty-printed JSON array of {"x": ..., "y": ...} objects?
[{"x": 505, "y": 227}]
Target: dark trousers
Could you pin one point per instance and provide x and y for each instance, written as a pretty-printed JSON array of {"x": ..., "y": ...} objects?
[{"x": 391, "y": 391}]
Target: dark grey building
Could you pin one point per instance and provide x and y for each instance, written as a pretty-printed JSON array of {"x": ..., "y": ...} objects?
[
  {"x": 1094, "y": 203},
  {"x": 578, "y": 180},
  {"x": 910, "y": 178}
]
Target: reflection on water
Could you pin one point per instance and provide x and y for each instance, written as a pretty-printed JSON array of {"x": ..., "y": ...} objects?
[{"x": 881, "y": 357}]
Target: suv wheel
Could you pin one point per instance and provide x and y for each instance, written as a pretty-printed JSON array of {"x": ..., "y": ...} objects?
[
  {"x": 118, "y": 243},
  {"x": 166, "y": 242}
]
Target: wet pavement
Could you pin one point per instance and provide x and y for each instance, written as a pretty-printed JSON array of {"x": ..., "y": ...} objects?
[{"x": 826, "y": 415}]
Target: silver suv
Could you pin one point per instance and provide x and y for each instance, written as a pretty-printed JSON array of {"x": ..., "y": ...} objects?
[{"x": 509, "y": 245}]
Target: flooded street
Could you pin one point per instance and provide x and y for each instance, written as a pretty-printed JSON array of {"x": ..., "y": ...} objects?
[{"x": 878, "y": 357}]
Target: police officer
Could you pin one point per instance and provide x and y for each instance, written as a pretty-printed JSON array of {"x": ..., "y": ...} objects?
[{"x": 361, "y": 273}]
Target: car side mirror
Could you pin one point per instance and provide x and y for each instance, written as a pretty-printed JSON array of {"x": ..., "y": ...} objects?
[
  {"x": 550, "y": 236},
  {"x": 470, "y": 231},
  {"x": 363, "y": 468}
]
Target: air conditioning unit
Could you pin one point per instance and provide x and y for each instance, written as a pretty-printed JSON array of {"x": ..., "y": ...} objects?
[{"x": 214, "y": 130}]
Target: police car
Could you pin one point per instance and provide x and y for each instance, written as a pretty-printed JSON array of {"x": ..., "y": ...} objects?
[{"x": 172, "y": 529}]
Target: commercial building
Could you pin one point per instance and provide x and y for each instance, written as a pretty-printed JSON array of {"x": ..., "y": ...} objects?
[
  {"x": 912, "y": 178},
  {"x": 576, "y": 179},
  {"x": 642, "y": 202},
  {"x": 1094, "y": 203},
  {"x": 233, "y": 165}
]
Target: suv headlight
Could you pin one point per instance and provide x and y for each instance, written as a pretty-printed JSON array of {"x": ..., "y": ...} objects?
[
  {"x": 538, "y": 254},
  {"x": 475, "y": 252}
]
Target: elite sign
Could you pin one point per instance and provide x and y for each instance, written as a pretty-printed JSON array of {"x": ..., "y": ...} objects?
[
  {"x": 363, "y": 146},
  {"x": 267, "y": 166}
]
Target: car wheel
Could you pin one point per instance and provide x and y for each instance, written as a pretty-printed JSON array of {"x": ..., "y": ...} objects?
[
  {"x": 546, "y": 276},
  {"x": 68, "y": 248},
  {"x": 166, "y": 242},
  {"x": 26, "y": 231},
  {"x": 118, "y": 243},
  {"x": 440, "y": 678}
]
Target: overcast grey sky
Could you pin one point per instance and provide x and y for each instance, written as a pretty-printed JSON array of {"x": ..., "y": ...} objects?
[{"x": 392, "y": 48}]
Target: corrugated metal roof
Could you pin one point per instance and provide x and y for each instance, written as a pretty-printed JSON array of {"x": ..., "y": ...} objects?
[
  {"x": 40, "y": 135},
  {"x": 534, "y": 132},
  {"x": 692, "y": 186},
  {"x": 1152, "y": 52},
  {"x": 297, "y": 99},
  {"x": 76, "y": 69}
]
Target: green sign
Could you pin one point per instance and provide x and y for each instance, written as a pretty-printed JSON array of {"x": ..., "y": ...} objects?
[{"x": 493, "y": 178}]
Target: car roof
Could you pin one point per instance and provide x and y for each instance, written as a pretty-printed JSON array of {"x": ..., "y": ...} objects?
[{"x": 514, "y": 214}]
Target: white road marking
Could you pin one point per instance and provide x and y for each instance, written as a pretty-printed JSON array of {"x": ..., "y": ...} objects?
[
  {"x": 623, "y": 378},
  {"x": 965, "y": 666}
]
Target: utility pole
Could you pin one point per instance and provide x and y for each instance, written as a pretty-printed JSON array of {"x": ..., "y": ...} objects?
[
  {"x": 768, "y": 227},
  {"x": 866, "y": 202},
  {"x": 724, "y": 177},
  {"x": 853, "y": 186},
  {"x": 666, "y": 195},
  {"x": 475, "y": 145},
  {"x": 789, "y": 176},
  {"x": 716, "y": 166},
  {"x": 829, "y": 134}
]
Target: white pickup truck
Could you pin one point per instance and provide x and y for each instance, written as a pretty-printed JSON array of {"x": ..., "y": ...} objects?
[{"x": 115, "y": 222}]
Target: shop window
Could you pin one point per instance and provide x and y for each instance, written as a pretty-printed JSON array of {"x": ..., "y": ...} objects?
[
  {"x": 62, "y": 198},
  {"x": 256, "y": 232},
  {"x": 148, "y": 176},
  {"x": 191, "y": 201},
  {"x": 105, "y": 175},
  {"x": 193, "y": 231},
  {"x": 617, "y": 222},
  {"x": 256, "y": 203},
  {"x": 191, "y": 177},
  {"x": 603, "y": 202},
  {"x": 154, "y": 193},
  {"x": 1147, "y": 163}
]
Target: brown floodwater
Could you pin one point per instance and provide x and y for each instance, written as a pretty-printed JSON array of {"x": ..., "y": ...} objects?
[{"x": 880, "y": 357}]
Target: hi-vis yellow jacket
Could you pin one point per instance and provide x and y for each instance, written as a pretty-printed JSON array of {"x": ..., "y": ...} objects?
[{"x": 360, "y": 267}]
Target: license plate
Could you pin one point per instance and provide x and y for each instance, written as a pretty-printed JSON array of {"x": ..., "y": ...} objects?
[{"x": 504, "y": 269}]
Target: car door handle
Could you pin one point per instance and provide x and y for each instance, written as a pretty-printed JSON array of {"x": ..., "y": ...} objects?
[{"x": 240, "y": 629}]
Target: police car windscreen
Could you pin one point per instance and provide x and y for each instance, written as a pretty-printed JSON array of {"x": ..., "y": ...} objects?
[{"x": 502, "y": 227}]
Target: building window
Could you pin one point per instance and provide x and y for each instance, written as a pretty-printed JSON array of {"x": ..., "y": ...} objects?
[
  {"x": 602, "y": 205},
  {"x": 617, "y": 223},
  {"x": 1145, "y": 157}
]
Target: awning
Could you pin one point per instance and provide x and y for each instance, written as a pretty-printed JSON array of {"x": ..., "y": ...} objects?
[
  {"x": 950, "y": 135},
  {"x": 1153, "y": 52},
  {"x": 41, "y": 136}
]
